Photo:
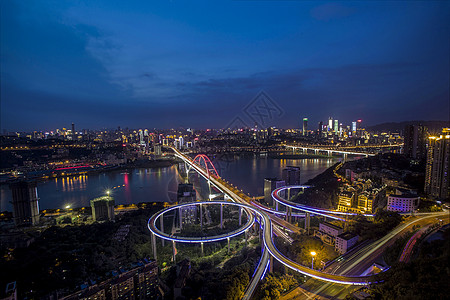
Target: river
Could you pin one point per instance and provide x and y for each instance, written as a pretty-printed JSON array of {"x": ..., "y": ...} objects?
[{"x": 160, "y": 184}]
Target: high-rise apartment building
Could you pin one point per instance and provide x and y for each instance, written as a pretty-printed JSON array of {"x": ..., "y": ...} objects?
[
  {"x": 271, "y": 184},
  {"x": 291, "y": 175},
  {"x": 103, "y": 208},
  {"x": 437, "y": 167},
  {"x": 415, "y": 141},
  {"x": 25, "y": 203},
  {"x": 185, "y": 194}
]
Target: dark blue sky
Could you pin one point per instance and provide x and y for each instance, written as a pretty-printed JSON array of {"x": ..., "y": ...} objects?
[{"x": 167, "y": 64}]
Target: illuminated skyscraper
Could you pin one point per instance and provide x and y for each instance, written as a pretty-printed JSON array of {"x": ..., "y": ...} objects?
[
  {"x": 330, "y": 123},
  {"x": 437, "y": 168},
  {"x": 336, "y": 126},
  {"x": 320, "y": 128},
  {"x": 305, "y": 125},
  {"x": 353, "y": 126},
  {"x": 415, "y": 142},
  {"x": 25, "y": 203}
]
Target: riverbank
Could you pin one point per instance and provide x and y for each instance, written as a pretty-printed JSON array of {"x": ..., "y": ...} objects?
[
  {"x": 300, "y": 156},
  {"x": 44, "y": 175}
]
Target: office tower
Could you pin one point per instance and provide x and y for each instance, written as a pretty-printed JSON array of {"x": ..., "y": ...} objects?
[
  {"x": 271, "y": 184},
  {"x": 336, "y": 126},
  {"x": 103, "y": 208},
  {"x": 181, "y": 140},
  {"x": 73, "y": 131},
  {"x": 25, "y": 203},
  {"x": 437, "y": 167},
  {"x": 330, "y": 123},
  {"x": 291, "y": 175},
  {"x": 415, "y": 141},
  {"x": 305, "y": 125},
  {"x": 141, "y": 137},
  {"x": 353, "y": 126},
  {"x": 320, "y": 128},
  {"x": 359, "y": 130},
  {"x": 158, "y": 150}
]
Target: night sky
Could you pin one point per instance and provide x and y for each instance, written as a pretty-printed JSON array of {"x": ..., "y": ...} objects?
[{"x": 170, "y": 64}]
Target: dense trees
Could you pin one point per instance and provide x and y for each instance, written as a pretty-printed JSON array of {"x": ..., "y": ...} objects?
[
  {"x": 384, "y": 221},
  {"x": 65, "y": 257},
  {"x": 427, "y": 277},
  {"x": 300, "y": 250},
  {"x": 274, "y": 286}
]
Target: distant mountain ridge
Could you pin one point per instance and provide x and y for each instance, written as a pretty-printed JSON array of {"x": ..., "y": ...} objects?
[{"x": 433, "y": 126}]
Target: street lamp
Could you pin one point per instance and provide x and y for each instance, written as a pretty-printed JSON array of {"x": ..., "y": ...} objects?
[{"x": 313, "y": 253}]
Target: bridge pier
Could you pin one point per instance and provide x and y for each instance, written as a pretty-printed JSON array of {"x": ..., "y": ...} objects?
[
  {"x": 345, "y": 156},
  {"x": 228, "y": 240},
  {"x": 289, "y": 214},
  {"x": 201, "y": 217},
  {"x": 316, "y": 151},
  {"x": 174, "y": 251},
  {"x": 276, "y": 205},
  {"x": 161, "y": 223},
  {"x": 271, "y": 264},
  {"x": 154, "y": 247},
  {"x": 201, "y": 246},
  {"x": 209, "y": 186},
  {"x": 307, "y": 222},
  {"x": 221, "y": 216},
  {"x": 240, "y": 216},
  {"x": 329, "y": 153},
  {"x": 180, "y": 217}
]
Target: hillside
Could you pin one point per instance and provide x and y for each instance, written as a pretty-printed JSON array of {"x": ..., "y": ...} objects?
[{"x": 433, "y": 126}]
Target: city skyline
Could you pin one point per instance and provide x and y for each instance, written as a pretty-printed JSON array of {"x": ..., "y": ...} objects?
[{"x": 170, "y": 64}]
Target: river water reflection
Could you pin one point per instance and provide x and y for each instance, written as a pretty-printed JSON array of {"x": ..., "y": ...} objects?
[{"x": 146, "y": 185}]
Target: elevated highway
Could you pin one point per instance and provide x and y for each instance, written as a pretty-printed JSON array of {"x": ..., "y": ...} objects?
[{"x": 270, "y": 251}]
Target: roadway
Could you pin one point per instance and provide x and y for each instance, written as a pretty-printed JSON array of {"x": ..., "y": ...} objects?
[
  {"x": 269, "y": 247},
  {"x": 238, "y": 196},
  {"x": 360, "y": 260}
]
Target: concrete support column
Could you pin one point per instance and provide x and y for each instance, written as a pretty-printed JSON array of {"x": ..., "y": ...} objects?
[
  {"x": 201, "y": 217},
  {"x": 271, "y": 264},
  {"x": 201, "y": 245},
  {"x": 240, "y": 216},
  {"x": 246, "y": 238},
  {"x": 209, "y": 186},
  {"x": 307, "y": 221},
  {"x": 180, "y": 216},
  {"x": 289, "y": 214},
  {"x": 154, "y": 247},
  {"x": 316, "y": 151},
  {"x": 174, "y": 252},
  {"x": 161, "y": 223},
  {"x": 228, "y": 240},
  {"x": 221, "y": 216},
  {"x": 276, "y": 205}
]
